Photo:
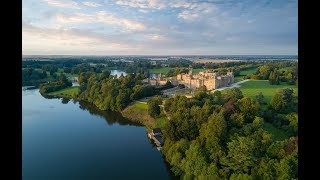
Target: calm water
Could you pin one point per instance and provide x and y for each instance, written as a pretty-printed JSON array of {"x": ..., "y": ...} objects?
[
  {"x": 117, "y": 72},
  {"x": 64, "y": 139}
]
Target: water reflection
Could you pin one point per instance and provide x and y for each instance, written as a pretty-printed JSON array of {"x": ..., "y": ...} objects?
[{"x": 109, "y": 116}]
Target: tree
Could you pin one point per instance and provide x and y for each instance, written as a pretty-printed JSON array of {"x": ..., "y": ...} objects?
[
  {"x": 194, "y": 164},
  {"x": 293, "y": 119},
  {"x": 240, "y": 157},
  {"x": 212, "y": 134},
  {"x": 233, "y": 93},
  {"x": 274, "y": 78},
  {"x": 153, "y": 106},
  {"x": 283, "y": 101},
  {"x": 260, "y": 98},
  {"x": 202, "y": 88},
  {"x": 240, "y": 177},
  {"x": 249, "y": 108},
  {"x": 105, "y": 74},
  {"x": 264, "y": 71},
  {"x": 237, "y": 119}
]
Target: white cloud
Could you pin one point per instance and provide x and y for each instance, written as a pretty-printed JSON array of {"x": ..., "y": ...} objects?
[
  {"x": 144, "y": 4},
  {"x": 143, "y": 10},
  {"x": 91, "y": 4},
  {"x": 188, "y": 15},
  {"x": 100, "y": 17},
  {"x": 38, "y": 40},
  {"x": 63, "y": 3},
  {"x": 155, "y": 37},
  {"x": 190, "y": 10}
]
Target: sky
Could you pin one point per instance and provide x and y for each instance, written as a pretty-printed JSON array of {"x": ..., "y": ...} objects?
[{"x": 159, "y": 27}]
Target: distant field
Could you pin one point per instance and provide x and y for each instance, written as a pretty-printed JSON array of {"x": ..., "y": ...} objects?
[
  {"x": 277, "y": 134},
  {"x": 67, "y": 92},
  {"x": 253, "y": 87},
  {"x": 205, "y": 60},
  {"x": 248, "y": 71},
  {"x": 164, "y": 70},
  {"x": 195, "y": 71},
  {"x": 244, "y": 73}
]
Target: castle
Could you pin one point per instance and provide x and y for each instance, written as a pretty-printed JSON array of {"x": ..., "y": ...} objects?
[
  {"x": 159, "y": 81},
  {"x": 212, "y": 80}
]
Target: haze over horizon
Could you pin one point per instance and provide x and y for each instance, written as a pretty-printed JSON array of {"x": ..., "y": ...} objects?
[{"x": 155, "y": 27}]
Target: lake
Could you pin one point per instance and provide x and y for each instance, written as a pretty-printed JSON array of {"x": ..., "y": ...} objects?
[
  {"x": 117, "y": 72},
  {"x": 64, "y": 139}
]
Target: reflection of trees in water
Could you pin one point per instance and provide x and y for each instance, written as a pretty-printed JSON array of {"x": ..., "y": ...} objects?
[
  {"x": 48, "y": 96},
  {"x": 65, "y": 100},
  {"x": 110, "y": 117}
]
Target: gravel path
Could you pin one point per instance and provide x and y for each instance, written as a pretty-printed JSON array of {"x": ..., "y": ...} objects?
[{"x": 237, "y": 84}]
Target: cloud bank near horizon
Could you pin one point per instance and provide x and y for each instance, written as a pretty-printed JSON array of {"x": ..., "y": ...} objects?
[{"x": 155, "y": 27}]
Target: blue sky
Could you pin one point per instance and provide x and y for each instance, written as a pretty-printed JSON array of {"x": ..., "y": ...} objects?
[{"x": 159, "y": 27}]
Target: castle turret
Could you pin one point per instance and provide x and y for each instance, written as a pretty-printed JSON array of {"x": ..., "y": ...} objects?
[{"x": 190, "y": 69}]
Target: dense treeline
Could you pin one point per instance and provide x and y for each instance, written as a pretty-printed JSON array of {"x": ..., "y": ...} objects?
[
  {"x": 113, "y": 93},
  {"x": 31, "y": 77},
  {"x": 220, "y": 136},
  {"x": 275, "y": 74},
  {"x": 52, "y": 86}
]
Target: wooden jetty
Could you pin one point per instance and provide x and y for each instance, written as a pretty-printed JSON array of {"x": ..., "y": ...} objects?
[{"x": 156, "y": 136}]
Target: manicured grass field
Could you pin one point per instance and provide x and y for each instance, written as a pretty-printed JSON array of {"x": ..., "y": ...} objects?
[
  {"x": 141, "y": 106},
  {"x": 164, "y": 70},
  {"x": 277, "y": 134},
  {"x": 196, "y": 71},
  {"x": 248, "y": 71},
  {"x": 244, "y": 73},
  {"x": 67, "y": 92},
  {"x": 253, "y": 87},
  {"x": 238, "y": 78}
]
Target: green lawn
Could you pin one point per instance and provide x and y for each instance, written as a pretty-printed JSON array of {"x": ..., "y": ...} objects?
[
  {"x": 196, "y": 71},
  {"x": 160, "y": 122},
  {"x": 238, "y": 78},
  {"x": 277, "y": 134},
  {"x": 244, "y": 73},
  {"x": 67, "y": 92},
  {"x": 164, "y": 70},
  {"x": 140, "y": 105},
  {"x": 248, "y": 71},
  {"x": 253, "y": 87}
]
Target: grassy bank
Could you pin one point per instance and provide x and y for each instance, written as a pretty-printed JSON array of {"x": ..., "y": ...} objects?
[
  {"x": 69, "y": 92},
  {"x": 138, "y": 112}
]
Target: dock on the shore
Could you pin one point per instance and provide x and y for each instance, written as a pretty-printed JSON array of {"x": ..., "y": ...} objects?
[{"x": 156, "y": 136}]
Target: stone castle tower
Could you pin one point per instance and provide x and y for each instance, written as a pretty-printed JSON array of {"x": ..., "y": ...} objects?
[{"x": 190, "y": 69}]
